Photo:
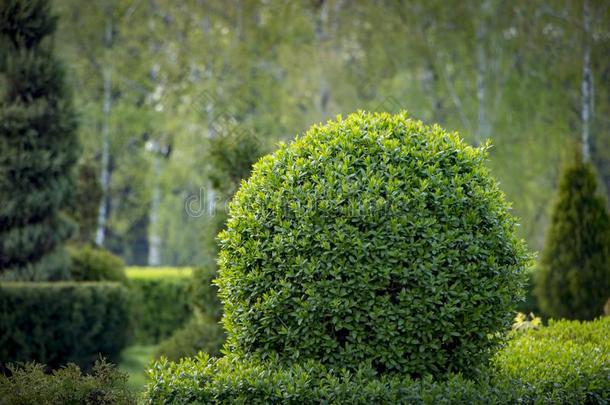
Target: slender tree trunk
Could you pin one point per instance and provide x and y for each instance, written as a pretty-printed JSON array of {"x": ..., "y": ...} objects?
[
  {"x": 482, "y": 131},
  {"x": 321, "y": 38},
  {"x": 154, "y": 239},
  {"x": 102, "y": 218},
  {"x": 586, "y": 85},
  {"x": 429, "y": 80}
]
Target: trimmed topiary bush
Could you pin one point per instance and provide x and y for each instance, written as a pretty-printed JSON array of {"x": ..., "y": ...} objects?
[
  {"x": 372, "y": 240},
  {"x": 574, "y": 277},
  {"x": 94, "y": 264},
  {"x": 62, "y": 322},
  {"x": 38, "y": 145}
]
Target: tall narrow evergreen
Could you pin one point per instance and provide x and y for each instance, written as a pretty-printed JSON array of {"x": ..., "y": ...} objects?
[
  {"x": 574, "y": 278},
  {"x": 38, "y": 145}
]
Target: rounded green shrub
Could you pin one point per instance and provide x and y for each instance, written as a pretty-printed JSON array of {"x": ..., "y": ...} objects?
[
  {"x": 93, "y": 264},
  {"x": 377, "y": 240}
]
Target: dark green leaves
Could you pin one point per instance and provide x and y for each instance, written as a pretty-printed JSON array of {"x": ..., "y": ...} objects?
[{"x": 372, "y": 240}]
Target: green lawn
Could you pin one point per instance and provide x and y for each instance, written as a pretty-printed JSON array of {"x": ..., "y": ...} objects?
[
  {"x": 158, "y": 272},
  {"x": 134, "y": 361}
]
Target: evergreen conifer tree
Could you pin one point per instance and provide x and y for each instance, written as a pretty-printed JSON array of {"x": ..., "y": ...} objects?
[
  {"x": 38, "y": 145},
  {"x": 574, "y": 278}
]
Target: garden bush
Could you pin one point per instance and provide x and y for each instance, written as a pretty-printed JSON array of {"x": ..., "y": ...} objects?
[
  {"x": 519, "y": 373},
  {"x": 200, "y": 334},
  {"x": 161, "y": 304},
  {"x": 566, "y": 362},
  {"x": 94, "y": 264},
  {"x": 30, "y": 384},
  {"x": 205, "y": 294},
  {"x": 530, "y": 304},
  {"x": 203, "y": 332},
  {"x": 574, "y": 277},
  {"x": 371, "y": 240},
  {"x": 61, "y": 322}
]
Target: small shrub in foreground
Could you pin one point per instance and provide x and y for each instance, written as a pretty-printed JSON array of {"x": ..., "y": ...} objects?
[{"x": 30, "y": 384}]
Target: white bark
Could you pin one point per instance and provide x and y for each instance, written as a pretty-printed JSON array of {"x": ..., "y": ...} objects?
[
  {"x": 482, "y": 131},
  {"x": 586, "y": 85},
  {"x": 102, "y": 218},
  {"x": 321, "y": 37},
  {"x": 154, "y": 239}
]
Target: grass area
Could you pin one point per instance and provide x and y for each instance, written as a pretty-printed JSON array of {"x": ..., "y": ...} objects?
[
  {"x": 134, "y": 361},
  {"x": 135, "y": 272}
]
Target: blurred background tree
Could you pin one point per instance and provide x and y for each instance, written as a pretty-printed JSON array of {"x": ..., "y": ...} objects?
[
  {"x": 186, "y": 73},
  {"x": 38, "y": 146},
  {"x": 574, "y": 275}
]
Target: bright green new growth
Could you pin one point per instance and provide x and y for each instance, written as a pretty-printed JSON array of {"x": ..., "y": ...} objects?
[
  {"x": 38, "y": 145},
  {"x": 375, "y": 239},
  {"x": 574, "y": 277}
]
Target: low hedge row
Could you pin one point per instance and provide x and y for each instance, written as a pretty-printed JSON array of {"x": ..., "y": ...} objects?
[
  {"x": 565, "y": 363},
  {"x": 61, "y": 322},
  {"x": 161, "y": 304}
]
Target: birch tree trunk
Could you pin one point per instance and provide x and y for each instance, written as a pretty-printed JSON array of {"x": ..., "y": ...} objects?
[
  {"x": 482, "y": 131},
  {"x": 321, "y": 38},
  {"x": 586, "y": 85},
  {"x": 154, "y": 240},
  {"x": 102, "y": 218}
]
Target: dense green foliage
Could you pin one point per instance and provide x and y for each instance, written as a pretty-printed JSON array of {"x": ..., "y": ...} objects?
[
  {"x": 191, "y": 73},
  {"x": 530, "y": 304},
  {"x": 200, "y": 334},
  {"x": 86, "y": 202},
  {"x": 228, "y": 380},
  {"x": 374, "y": 239},
  {"x": 521, "y": 373},
  {"x": 30, "y": 384},
  {"x": 204, "y": 331},
  {"x": 38, "y": 145},
  {"x": 93, "y": 264},
  {"x": 160, "y": 305},
  {"x": 566, "y": 362},
  {"x": 205, "y": 293},
  {"x": 574, "y": 277},
  {"x": 61, "y": 322}
]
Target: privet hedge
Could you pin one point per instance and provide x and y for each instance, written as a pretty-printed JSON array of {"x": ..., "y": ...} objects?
[
  {"x": 161, "y": 304},
  {"x": 61, "y": 322},
  {"x": 159, "y": 307},
  {"x": 374, "y": 240},
  {"x": 565, "y": 363}
]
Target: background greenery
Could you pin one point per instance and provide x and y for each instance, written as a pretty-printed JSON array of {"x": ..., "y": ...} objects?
[{"x": 202, "y": 78}]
